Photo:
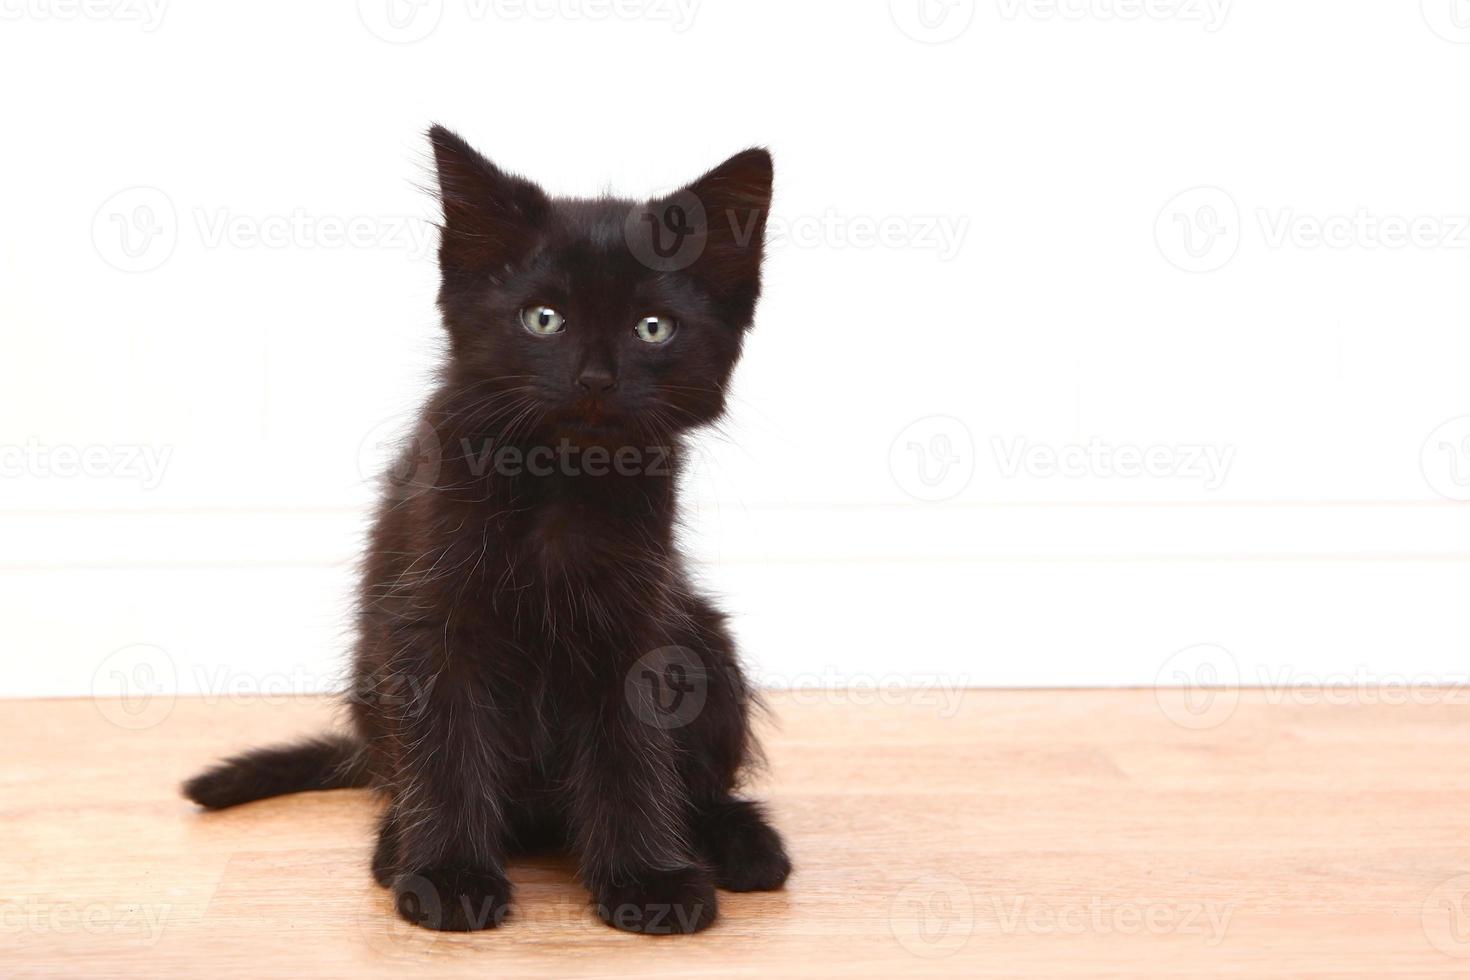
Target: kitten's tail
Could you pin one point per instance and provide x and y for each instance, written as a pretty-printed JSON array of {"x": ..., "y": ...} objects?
[{"x": 328, "y": 762}]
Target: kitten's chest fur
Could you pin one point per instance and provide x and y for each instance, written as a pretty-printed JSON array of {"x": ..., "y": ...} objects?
[
  {"x": 573, "y": 536},
  {"x": 558, "y": 565},
  {"x": 556, "y": 592}
]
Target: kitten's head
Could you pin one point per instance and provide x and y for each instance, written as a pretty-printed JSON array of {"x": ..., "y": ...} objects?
[{"x": 597, "y": 319}]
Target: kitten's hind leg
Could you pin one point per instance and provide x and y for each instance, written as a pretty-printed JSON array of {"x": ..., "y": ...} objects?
[
  {"x": 745, "y": 851},
  {"x": 732, "y": 835}
]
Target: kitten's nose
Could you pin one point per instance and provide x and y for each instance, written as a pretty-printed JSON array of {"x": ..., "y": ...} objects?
[{"x": 596, "y": 380}]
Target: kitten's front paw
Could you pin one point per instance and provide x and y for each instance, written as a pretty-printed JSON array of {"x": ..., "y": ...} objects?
[
  {"x": 453, "y": 899},
  {"x": 746, "y": 852},
  {"x": 659, "y": 902}
]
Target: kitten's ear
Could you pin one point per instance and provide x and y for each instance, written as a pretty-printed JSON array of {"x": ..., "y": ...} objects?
[
  {"x": 727, "y": 209},
  {"x": 490, "y": 216}
]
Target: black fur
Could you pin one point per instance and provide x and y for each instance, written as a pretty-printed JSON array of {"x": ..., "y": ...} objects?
[
  {"x": 533, "y": 667},
  {"x": 328, "y": 762}
]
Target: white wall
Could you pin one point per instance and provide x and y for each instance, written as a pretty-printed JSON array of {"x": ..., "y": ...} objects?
[{"x": 881, "y": 506}]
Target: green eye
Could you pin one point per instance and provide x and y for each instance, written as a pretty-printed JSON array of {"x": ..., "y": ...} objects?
[
  {"x": 542, "y": 320},
  {"x": 654, "y": 329}
]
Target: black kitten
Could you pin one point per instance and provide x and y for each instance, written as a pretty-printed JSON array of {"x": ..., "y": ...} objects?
[{"x": 533, "y": 668}]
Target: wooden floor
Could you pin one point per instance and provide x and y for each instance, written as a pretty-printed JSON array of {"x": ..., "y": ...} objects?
[{"x": 1039, "y": 833}]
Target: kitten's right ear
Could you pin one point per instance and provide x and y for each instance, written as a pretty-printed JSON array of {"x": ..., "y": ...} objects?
[{"x": 490, "y": 216}]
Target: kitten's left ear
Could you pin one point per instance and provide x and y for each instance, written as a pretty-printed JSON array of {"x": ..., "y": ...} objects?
[{"x": 727, "y": 208}]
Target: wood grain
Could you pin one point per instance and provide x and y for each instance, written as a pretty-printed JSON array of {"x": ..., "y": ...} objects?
[{"x": 1044, "y": 833}]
